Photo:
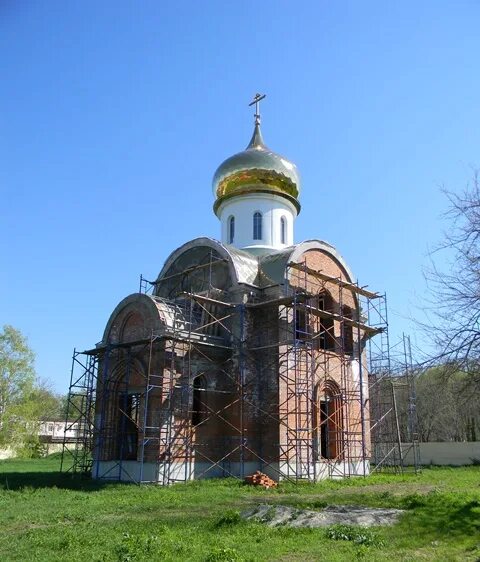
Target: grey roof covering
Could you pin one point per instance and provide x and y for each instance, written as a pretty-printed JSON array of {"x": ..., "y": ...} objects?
[
  {"x": 168, "y": 312},
  {"x": 273, "y": 265},
  {"x": 246, "y": 265}
]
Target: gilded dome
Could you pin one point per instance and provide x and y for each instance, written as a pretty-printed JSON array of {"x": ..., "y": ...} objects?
[{"x": 256, "y": 170}]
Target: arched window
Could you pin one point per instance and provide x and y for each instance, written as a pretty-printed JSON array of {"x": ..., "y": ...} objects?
[
  {"x": 283, "y": 230},
  {"x": 257, "y": 226},
  {"x": 328, "y": 422},
  {"x": 231, "y": 229}
]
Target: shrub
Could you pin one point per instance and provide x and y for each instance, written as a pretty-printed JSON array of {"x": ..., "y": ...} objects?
[
  {"x": 229, "y": 518},
  {"x": 135, "y": 547},
  {"x": 357, "y": 535}
]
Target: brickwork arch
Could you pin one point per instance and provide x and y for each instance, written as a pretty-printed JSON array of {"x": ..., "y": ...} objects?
[{"x": 135, "y": 317}]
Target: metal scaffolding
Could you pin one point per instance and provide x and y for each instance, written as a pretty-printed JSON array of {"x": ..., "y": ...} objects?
[
  {"x": 394, "y": 427},
  {"x": 160, "y": 414}
]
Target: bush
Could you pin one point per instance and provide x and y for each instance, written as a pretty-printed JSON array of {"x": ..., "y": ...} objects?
[
  {"x": 230, "y": 517},
  {"x": 135, "y": 547},
  {"x": 357, "y": 535}
]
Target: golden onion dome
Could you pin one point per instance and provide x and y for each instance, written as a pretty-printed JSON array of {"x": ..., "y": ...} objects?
[{"x": 256, "y": 170}]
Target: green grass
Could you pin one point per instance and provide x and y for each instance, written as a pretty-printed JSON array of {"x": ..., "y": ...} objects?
[{"x": 45, "y": 515}]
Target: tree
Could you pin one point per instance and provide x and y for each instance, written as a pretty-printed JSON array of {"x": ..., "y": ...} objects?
[
  {"x": 455, "y": 323},
  {"x": 447, "y": 408},
  {"x": 17, "y": 376},
  {"x": 24, "y": 400}
]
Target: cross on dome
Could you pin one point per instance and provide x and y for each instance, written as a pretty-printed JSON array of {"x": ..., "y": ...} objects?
[{"x": 256, "y": 101}]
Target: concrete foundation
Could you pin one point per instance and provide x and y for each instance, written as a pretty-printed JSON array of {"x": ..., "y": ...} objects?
[{"x": 135, "y": 471}]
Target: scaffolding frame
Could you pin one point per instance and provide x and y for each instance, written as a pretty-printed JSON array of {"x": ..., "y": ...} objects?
[{"x": 313, "y": 442}]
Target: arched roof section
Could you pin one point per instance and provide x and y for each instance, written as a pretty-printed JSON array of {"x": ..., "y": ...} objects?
[
  {"x": 327, "y": 248},
  {"x": 141, "y": 314},
  {"x": 274, "y": 265},
  {"x": 242, "y": 267}
]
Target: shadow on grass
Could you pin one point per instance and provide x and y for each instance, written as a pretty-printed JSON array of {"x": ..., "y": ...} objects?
[
  {"x": 20, "y": 480},
  {"x": 17, "y": 473},
  {"x": 456, "y": 521},
  {"x": 445, "y": 517}
]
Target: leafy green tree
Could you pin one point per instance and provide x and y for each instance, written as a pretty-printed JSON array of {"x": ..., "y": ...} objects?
[
  {"x": 49, "y": 406},
  {"x": 25, "y": 401},
  {"x": 17, "y": 378},
  {"x": 39, "y": 405}
]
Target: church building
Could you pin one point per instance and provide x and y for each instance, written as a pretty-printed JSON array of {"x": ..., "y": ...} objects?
[{"x": 245, "y": 353}]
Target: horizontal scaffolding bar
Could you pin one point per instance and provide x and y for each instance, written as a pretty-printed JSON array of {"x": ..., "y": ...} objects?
[
  {"x": 181, "y": 336},
  {"x": 344, "y": 284}
]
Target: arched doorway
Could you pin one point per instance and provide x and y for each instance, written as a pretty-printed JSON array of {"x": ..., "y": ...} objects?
[
  {"x": 124, "y": 410},
  {"x": 328, "y": 422}
]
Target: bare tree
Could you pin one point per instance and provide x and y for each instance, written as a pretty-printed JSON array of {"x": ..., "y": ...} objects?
[
  {"x": 447, "y": 408},
  {"x": 454, "y": 323}
]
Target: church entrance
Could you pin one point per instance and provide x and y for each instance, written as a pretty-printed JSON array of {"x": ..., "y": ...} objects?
[
  {"x": 328, "y": 422},
  {"x": 129, "y": 420}
]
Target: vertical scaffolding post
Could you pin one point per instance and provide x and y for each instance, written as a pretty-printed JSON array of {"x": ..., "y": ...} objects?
[{"x": 80, "y": 414}]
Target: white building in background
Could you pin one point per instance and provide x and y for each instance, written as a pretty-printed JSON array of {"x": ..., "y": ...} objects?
[{"x": 56, "y": 431}]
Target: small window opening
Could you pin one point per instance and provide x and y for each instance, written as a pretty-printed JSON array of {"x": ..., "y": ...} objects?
[
  {"x": 199, "y": 411},
  {"x": 231, "y": 229},
  {"x": 301, "y": 326},
  {"x": 326, "y": 339},
  {"x": 283, "y": 230},
  {"x": 257, "y": 226}
]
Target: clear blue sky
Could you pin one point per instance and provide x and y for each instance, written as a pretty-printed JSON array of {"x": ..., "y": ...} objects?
[{"x": 115, "y": 114}]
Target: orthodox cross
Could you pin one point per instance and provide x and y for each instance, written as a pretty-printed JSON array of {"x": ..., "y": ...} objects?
[{"x": 256, "y": 101}]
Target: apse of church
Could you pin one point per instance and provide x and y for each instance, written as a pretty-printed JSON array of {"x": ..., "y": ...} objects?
[{"x": 244, "y": 354}]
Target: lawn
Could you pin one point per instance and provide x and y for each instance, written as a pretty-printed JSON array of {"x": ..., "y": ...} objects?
[{"x": 45, "y": 515}]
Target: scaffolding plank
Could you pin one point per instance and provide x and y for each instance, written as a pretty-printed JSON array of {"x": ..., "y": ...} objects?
[
  {"x": 316, "y": 312},
  {"x": 344, "y": 284},
  {"x": 333, "y": 316},
  {"x": 182, "y": 336}
]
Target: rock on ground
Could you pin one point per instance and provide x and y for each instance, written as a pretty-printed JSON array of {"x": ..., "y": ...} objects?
[{"x": 275, "y": 515}]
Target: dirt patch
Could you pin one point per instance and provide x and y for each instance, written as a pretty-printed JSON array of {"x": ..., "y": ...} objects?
[
  {"x": 282, "y": 515},
  {"x": 395, "y": 490},
  {"x": 400, "y": 489}
]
